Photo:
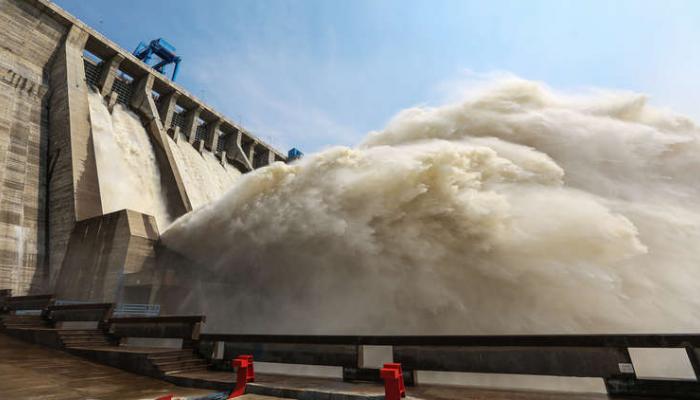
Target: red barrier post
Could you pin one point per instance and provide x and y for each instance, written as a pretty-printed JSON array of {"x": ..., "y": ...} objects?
[
  {"x": 392, "y": 390},
  {"x": 397, "y": 366},
  {"x": 251, "y": 372},
  {"x": 241, "y": 365}
]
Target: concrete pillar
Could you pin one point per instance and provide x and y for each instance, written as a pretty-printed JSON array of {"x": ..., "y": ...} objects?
[
  {"x": 112, "y": 101},
  {"x": 73, "y": 184},
  {"x": 167, "y": 108},
  {"x": 191, "y": 122},
  {"x": 103, "y": 252},
  {"x": 234, "y": 150},
  {"x": 142, "y": 101},
  {"x": 108, "y": 74},
  {"x": 176, "y": 133},
  {"x": 212, "y": 139},
  {"x": 268, "y": 157},
  {"x": 251, "y": 150}
]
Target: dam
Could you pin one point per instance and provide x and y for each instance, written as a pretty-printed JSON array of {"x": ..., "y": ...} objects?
[
  {"x": 62, "y": 83},
  {"x": 123, "y": 244}
]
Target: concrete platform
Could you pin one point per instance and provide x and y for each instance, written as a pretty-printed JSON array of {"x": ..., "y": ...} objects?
[
  {"x": 127, "y": 349},
  {"x": 280, "y": 386},
  {"x": 34, "y": 372}
]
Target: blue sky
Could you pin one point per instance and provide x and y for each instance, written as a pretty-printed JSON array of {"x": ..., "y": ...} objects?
[{"x": 315, "y": 73}]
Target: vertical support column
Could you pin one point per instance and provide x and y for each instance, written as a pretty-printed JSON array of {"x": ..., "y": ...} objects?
[
  {"x": 212, "y": 139},
  {"x": 270, "y": 156},
  {"x": 112, "y": 101},
  {"x": 191, "y": 119},
  {"x": 251, "y": 150},
  {"x": 267, "y": 157},
  {"x": 73, "y": 184},
  {"x": 108, "y": 74},
  {"x": 167, "y": 108},
  {"x": 235, "y": 151}
]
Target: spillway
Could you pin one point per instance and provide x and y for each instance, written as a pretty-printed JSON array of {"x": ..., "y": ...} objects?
[
  {"x": 91, "y": 170},
  {"x": 205, "y": 177},
  {"x": 125, "y": 159}
]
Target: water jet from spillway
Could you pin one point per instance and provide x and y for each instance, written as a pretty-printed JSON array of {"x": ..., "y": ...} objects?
[
  {"x": 126, "y": 162},
  {"x": 128, "y": 169},
  {"x": 516, "y": 210}
]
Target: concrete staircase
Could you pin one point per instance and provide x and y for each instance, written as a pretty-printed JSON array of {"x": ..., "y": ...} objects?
[
  {"x": 83, "y": 338},
  {"x": 24, "y": 321},
  {"x": 177, "y": 361}
]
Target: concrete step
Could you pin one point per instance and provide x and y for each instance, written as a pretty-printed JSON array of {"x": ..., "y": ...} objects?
[
  {"x": 160, "y": 357},
  {"x": 180, "y": 363},
  {"x": 23, "y": 319},
  {"x": 186, "y": 369},
  {"x": 85, "y": 336},
  {"x": 78, "y": 338},
  {"x": 84, "y": 339},
  {"x": 87, "y": 344},
  {"x": 7, "y": 317},
  {"x": 80, "y": 332},
  {"x": 27, "y": 325},
  {"x": 90, "y": 340}
]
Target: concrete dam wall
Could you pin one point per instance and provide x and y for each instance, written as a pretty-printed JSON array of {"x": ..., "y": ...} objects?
[{"x": 98, "y": 154}]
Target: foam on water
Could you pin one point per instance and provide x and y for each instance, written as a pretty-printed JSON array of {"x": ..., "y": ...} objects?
[
  {"x": 515, "y": 210},
  {"x": 204, "y": 176}
]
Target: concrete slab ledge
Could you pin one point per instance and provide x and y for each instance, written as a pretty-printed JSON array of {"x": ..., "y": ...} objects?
[{"x": 308, "y": 394}]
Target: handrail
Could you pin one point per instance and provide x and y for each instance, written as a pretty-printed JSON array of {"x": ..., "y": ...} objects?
[
  {"x": 565, "y": 340},
  {"x": 77, "y": 306},
  {"x": 137, "y": 310},
  {"x": 161, "y": 319},
  {"x": 31, "y": 297}
]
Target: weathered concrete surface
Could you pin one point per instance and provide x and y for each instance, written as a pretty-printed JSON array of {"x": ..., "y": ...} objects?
[
  {"x": 235, "y": 152},
  {"x": 31, "y": 371},
  {"x": 107, "y": 74},
  {"x": 28, "y": 42},
  {"x": 48, "y": 174},
  {"x": 73, "y": 185},
  {"x": 113, "y": 245}
]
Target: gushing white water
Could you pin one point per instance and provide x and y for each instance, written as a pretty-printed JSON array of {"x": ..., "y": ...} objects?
[
  {"x": 204, "y": 176},
  {"x": 516, "y": 210},
  {"x": 127, "y": 168}
]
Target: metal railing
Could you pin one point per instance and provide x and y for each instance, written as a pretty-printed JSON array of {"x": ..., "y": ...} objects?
[
  {"x": 122, "y": 310},
  {"x": 70, "y": 302},
  {"x": 136, "y": 310}
]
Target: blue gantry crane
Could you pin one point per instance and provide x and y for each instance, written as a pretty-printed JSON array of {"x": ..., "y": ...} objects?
[
  {"x": 294, "y": 154},
  {"x": 161, "y": 49}
]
